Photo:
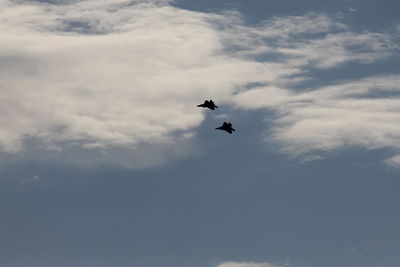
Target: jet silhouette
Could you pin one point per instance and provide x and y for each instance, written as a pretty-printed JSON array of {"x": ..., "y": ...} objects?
[
  {"x": 226, "y": 127},
  {"x": 208, "y": 104}
]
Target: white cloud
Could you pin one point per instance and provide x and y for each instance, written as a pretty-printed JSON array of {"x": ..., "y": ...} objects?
[
  {"x": 109, "y": 75},
  {"x": 246, "y": 264},
  {"x": 342, "y": 47},
  {"x": 136, "y": 80},
  {"x": 354, "y": 105},
  {"x": 332, "y": 117},
  {"x": 393, "y": 161}
]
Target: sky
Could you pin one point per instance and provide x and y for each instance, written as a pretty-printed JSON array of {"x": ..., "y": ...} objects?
[{"x": 105, "y": 160}]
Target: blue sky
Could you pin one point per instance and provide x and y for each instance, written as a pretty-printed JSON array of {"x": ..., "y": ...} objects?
[{"x": 106, "y": 161}]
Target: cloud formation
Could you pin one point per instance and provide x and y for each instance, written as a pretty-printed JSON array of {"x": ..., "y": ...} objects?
[
  {"x": 332, "y": 117},
  {"x": 104, "y": 75},
  {"x": 393, "y": 161},
  {"x": 245, "y": 264}
]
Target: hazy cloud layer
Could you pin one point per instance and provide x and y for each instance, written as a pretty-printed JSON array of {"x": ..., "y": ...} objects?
[{"x": 102, "y": 74}]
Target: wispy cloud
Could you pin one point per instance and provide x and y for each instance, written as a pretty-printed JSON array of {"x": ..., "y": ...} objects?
[
  {"x": 246, "y": 264},
  {"x": 393, "y": 161},
  {"x": 334, "y": 116},
  {"x": 106, "y": 74}
]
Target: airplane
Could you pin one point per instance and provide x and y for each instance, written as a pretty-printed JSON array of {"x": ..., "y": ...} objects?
[
  {"x": 208, "y": 104},
  {"x": 226, "y": 127}
]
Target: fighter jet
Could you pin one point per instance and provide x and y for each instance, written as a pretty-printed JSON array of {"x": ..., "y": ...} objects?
[
  {"x": 226, "y": 127},
  {"x": 208, "y": 104}
]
